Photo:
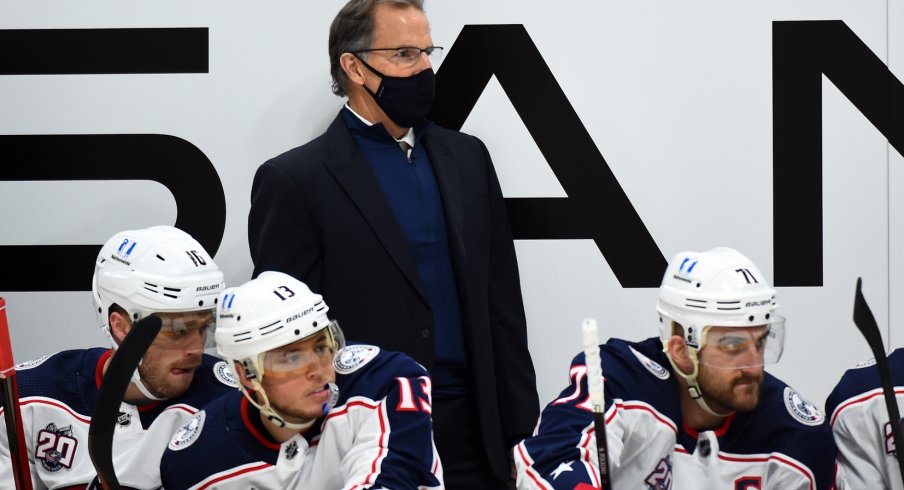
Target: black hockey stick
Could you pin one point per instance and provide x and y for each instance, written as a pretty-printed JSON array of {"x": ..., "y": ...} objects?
[
  {"x": 597, "y": 398},
  {"x": 866, "y": 323},
  {"x": 112, "y": 390},
  {"x": 12, "y": 413}
]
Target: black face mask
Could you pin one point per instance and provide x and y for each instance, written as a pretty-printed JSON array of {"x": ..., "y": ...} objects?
[{"x": 406, "y": 100}]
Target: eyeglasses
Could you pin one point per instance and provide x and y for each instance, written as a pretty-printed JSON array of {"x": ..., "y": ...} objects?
[{"x": 407, "y": 55}]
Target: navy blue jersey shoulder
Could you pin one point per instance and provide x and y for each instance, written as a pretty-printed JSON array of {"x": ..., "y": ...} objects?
[
  {"x": 640, "y": 371},
  {"x": 865, "y": 378},
  {"x": 67, "y": 376},
  {"x": 785, "y": 422},
  {"x": 220, "y": 442},
  {"x": 372, "y": 377}
]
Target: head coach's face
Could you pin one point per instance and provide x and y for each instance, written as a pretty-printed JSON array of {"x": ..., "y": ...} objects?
[
  {"x": 363, "y": 25},
  {"x": 389, "y": 77}
]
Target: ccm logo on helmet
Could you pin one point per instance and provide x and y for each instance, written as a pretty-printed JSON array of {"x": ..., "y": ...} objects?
[{"x": 299, "y": 315}]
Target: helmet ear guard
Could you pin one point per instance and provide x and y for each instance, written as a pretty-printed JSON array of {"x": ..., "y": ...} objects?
[{"x": 248, "y": 367}]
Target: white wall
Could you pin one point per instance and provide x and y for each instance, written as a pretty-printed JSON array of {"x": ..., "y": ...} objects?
[{"x": 677, "y": 95}]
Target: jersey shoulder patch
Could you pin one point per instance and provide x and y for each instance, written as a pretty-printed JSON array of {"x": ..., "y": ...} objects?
[
  {"x": 651, "y": 365},
  {"x": 224, "y": 374},
  {"x": 802, "y": 410},
  {"x": 352, "y": 357},
  {"x": 188, "y": 433}
]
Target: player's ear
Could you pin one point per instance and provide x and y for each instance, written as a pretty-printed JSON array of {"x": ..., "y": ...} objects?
[
  {"x": 677, "y": 351},
  {"x": 119, "y": 326}
]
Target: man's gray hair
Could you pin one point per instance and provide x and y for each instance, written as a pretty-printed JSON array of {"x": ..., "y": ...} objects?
[{"x": 353, "y": 30}]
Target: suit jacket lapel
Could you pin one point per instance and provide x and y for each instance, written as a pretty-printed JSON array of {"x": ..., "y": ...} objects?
[
  {"x": 349, "y": 167},
  {"x": 448, "y": 178}
]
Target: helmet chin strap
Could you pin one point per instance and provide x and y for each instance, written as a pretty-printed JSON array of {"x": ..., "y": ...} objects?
[
  {"x": 278, "y": 419},
  {"x": 136, "y": 380},
  {"x": 693, "y": 387},
  {"x": 136, "y": 376}
]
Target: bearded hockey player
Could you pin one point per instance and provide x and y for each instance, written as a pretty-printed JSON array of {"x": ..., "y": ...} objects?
[
  {"x": 859, "y": 420},
  {"x": 159, "y": 271},
  {"x": 693, "y": 408},
  {"x": 312, "y": 412}
]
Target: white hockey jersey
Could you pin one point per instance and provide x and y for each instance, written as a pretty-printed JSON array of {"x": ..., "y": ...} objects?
[
  {"x": 378, "y": 435},
  {"x": 57, "y": 396},
  {"x": 783, "y": 444},
  {"x": 859, "y": 419}
]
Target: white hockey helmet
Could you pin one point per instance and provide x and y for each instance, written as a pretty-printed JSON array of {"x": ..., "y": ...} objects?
[
  {"x": 266, "y": 313},
  {"x": 717, "y": 288},
  {"x": 160, "y": 269}
]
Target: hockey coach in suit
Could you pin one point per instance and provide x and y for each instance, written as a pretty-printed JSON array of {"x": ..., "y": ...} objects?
[{"x": 402, "y": 224}]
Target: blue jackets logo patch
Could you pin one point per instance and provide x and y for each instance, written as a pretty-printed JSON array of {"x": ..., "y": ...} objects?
[
  {"x": 802, "y": 410},
  {"x": 354, "y": 356},
  {"x": 224, "y": 374},
  {"x": 188, "y": 433}
]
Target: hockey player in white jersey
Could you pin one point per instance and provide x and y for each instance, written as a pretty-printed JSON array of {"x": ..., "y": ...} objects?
[
  {"x": 859, "y": 420},
  {"x": 312, "y": 412},
  {"x": 692, "y": 408},
  {"x": 158, "y": 271}
]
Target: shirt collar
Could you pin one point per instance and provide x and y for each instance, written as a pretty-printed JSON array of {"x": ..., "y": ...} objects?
[{"x": 407, "y": 137}]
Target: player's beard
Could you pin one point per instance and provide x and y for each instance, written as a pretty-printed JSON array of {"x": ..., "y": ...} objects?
[
  {"x": 730, "y": 390},
  {"x": 157, "y": 377},
  {"x": 299, "y": 414}
]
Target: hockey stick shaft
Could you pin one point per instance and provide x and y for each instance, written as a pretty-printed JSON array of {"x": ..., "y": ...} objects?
[
  {"x": 590, "y": 336},
  {"x": 12, "y": 412},
  {"x": 112, "y": 390},
  {"x": 866, "y": 323}
]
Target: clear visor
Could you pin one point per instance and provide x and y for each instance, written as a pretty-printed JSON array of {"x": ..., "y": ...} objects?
[
  {"x": 186, "y": 330},
  {"x": 297, "y": 359},
  {"x": 743, "y": 347}
]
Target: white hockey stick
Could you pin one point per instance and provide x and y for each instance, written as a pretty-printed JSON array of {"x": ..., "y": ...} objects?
[
  {"x": 597, "y": 399},
  {"x": 866, "y": 323}
]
